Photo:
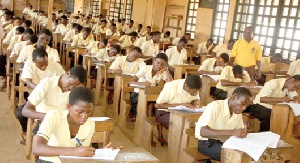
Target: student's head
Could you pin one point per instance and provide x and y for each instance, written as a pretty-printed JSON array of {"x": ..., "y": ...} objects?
[
  {"x": 123, "y": 21},
  {"x": 19, "y": 30},
  {"x": 53, "y": 16},
  {"x": 167, "y": 34},
  {"x": 134, "y": 54},
  {"x": 32, "y": 39},
  {"x": 148, "y": 29},
  {"x": 209, "y": 42},
  {"x": 292, "y": 83},
  {"x": 88, "y": 19},
  {"x": 86, "y": 32},
  {"x": 17, "y": 21},
  {"x": 160, "y": 61},
  {"x": 222, "y": 59},
  {"x": 181, "y": 43},
  {"x": 114, "y": 50},
  {"x": 40, "y": 58},
  {"x": 131, "y": 23},
  {"x": 156, "y": 36},
  {"x": 103, "y": 43},
  {"x": 44, "y": 38},
  {"x": 78, "y": 29},
  {"x": 76, "y": 77},
  {"x": 187, "y": 36},
  {"x": 192, "y": 84},
  {"x": 133, "y": 35},
  {"x": 28, "y": 32},
  {"x": 277, "y": 57},
  {"x": 74, "y": 25},
  {"x": 80, "y": 104},
  {"x": 64, "y": 19},
  {"x": 119, "y": 20},
  {"x": 26, "y": 24},
  {"x": 241, "y": 98},
  {"x": 230, "y": 44},
  {"x": 248, "y": 33},
  {"x": 7, "y": 15},
  {"x": 140, "y": 26},
  {"x": 103, "y": 23},
  {"x": 238, "y": 71},
  {"x": 113, "y": 27}
]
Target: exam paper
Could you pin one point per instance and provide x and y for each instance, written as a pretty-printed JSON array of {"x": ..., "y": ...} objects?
[
  {"x": 98, "y": 119},
  {"x": 100, "y": 154},
  {"x": 295, "y": 107},
  {"x": 181, "y": 107}
]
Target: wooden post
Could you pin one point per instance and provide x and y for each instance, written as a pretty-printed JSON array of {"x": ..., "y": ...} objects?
[
  {"x": 12, "y": 5},
  {"x": 88, "y": 7},
  {"x": 39, "y": 4},
  {"x": 50, "y": 8}
]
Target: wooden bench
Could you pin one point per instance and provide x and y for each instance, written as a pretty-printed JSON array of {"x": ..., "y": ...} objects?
[
  {"x": 280, "y": 70},
  {"x": 148, "y": 124},
  {"x": 102, "y": 132},
  {"x": 207, "y": 83},
  {"x": 101, "y": 71},
  {"x": 193, "y": 155}
]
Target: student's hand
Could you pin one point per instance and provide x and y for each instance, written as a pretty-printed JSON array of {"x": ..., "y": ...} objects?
[
  {"x": 146, "y": 84},
  {"x": 286, "y": 99},
  {"x": 84, "y": 151},
  {"x": 197, "y": 103},
  {"x": 162, "y": 70},
  {"x": 253, "y": 83},
  {"x": 112, "y": 147},
  {"x": 240, "y": 133},
  {"x": 257, "y": 75},
  {"x": 191, "y": 106},
  {"x": 118, "y": 71}
]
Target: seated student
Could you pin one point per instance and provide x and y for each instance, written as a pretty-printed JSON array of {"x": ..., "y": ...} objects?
[
  {"x": 17, "y": 23},
  {"x": 128, "y": 64},
  {"x": 27, "y": 24},
  {"x": 96, "y": 25},
  {"x": 64, "y": 26},
  {"x": 16, "y": 38},
  {"x": 147, "y": 32},
  {"x": 128, "y": 28},
  {"x": 151, "y": 48},
  {"x": 177, "y": 54},
  {"x": 128, "y": 40},
  {"x": 120, "y": 24},
  {"x": 223, "y": 48},
  {"x": 268, "y": 65},
  {"x": 177, "y": 92},
  {"x": 43, "y": 41},
  {"x": 220, "y": 120},
  {"x": 274, "y": 91},
  {"x": 50, "y": 94},
  {"x": 141, "y": 40},
  {"x": 231, "y": 76},
  {"x": 32, "y": 39},
  {"x": 39, "y": 68},
  {"x": 147, "y": 76},
  {"x": 187, "y": 36},
  {"x": 76, "y": 29},
  {"x": 139, "y": 30},
  {"x": 205, "y": 47},
  {"x": 214, "y": 66},
  {"x": 101, "y": 28},
  {"x": 84, "y": 38},
  {"x": 87, "y": 23},
  {"x": 112, "y": 31},
  {"x": 60, "y": 129},
  {"x": 103, "y": 55},
  {"x": 294, "y": 68},
  {"x": 166, "y": 36}
]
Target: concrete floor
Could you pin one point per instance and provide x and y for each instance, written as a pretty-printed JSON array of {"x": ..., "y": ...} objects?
[{"x": 11, "y": 151}]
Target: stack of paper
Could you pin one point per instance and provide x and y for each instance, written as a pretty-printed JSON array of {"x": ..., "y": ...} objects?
[
  {"x": 254, "y": 144},
  {"x": 295, "y": 107},
  {"x": 100, "y": 154},
  {"x": 183, "y": 108},
  {"x": 214, "y": 77},
  {"x": 99, "y": 119}
]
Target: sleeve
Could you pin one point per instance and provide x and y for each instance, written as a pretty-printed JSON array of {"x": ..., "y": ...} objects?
[
  {"x": 204, "y": 65},
  {"x": 141, "y": 63},
  {"x": 184, "y": 55},
  {"x": 199, "y": 48},
  {"x": 48, "y": 125},
  {"x": 234, "y": 50},
  {"x": 224, "y": 74},
  {"x": 291, "y": 69},
  {"x": 258, "y": 55},
  {"x": 216, "y": 49},
  {"x": 292, "y": 94},
  {"x": 55, "y": 55},
  {"x": 22, "y": 57},
  {"x": 27, "y": 72},
  {"x": 38, "y": 94},
  {"x": 122, "y": 38},
  {"x": 141, "y": 72},
  {"x": 87, "y": 141},
  {"x": 165, "y": 95},
  {"x": 267, "y": 89},
  {"x": 75, "y": 40},
  {"x": 144, "y": 47},
  {"x": 101, "y": 54},
  {"x": 169, "y": 53},
  {"x": 207, "y": 118},
  {"x": 12, "y": 43},
  {"x": 108, "y": 32},
  {"x": 90, "y": 46},
  {"x": 246, "y": 78},
  {"x": 57, "y": 29},
  {"x": 116, "y": 64}
]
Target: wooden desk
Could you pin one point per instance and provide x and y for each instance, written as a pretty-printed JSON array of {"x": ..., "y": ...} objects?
[
  {"x": 124, "y": 156},
  {"x": 102, "y": 132},
  {"x": 78, "y": 51},
  {"x": 180, "y": 121},
  {"x": 14, "y": 88},
  {"x": 180, "y": 70},
  {"x": 207, "y": 83},
  {"x": 253, "y": 89},
  {"x": 280, "y": 154},
  {"x": 101, "y": 69},
  {"x": 87, "y": 64}
]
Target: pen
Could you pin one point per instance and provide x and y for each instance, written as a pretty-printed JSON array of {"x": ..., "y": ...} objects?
[{"x": 79, "y": 142}]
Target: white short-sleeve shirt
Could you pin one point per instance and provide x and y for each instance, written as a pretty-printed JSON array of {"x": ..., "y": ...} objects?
[
  {"x": 219, "y": 49},
  {"x": 294, "y": 68},
  {"x": 176, "y": 58},
  {"x": 26, "y": 53},
  {"x": 149, "y": 48},
  {"x": 127, "y": 67}
]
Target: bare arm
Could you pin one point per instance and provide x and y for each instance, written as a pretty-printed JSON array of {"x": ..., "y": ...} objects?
[
  {"x": 166, "y": 105},
  {"x": 231, "y": 61},
  {"x": 214, "y": 54},
  {"x": 29, "y": 112},
  {"x": 112, "y": 71},
  {"x": 30, "y": 84},
  {"x": 202, "y": 72},
  {"x": 274, "y": 99},
  {"x": 134, "y": 80},
  {"x": 211, "y": 133},
  {"x": 227, "y": 83}
]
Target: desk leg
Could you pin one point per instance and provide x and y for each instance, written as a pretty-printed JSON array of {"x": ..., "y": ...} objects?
[
  {"x": 98, "y": 85},
  {"x": 141, "y": 113},
  {"x": 117, "y": 92}
]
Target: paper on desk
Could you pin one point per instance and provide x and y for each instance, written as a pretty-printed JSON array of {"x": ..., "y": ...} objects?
[
  {"x": 295, "y": 107},
  {"x": 140, "y": 86},
  {"x": 98, "y": 119},
  {"x": 214, "y": 77},
  {"x": 128, "y": 74},
  {"x": 181, "y": 107},
  {"x": 254, "y": 144},
  {"x": 100, "y": 154}
]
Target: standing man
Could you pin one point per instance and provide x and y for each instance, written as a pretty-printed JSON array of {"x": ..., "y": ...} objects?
[{"x": 247, "y": 53}]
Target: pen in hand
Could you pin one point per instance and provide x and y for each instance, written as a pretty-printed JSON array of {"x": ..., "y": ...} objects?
[{"x": 79, "y": 142}]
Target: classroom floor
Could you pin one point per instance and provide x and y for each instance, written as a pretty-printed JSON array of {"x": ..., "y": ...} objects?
[{"x": 11, "y": 151}]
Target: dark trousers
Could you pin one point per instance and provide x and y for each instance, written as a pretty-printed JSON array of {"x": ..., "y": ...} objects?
[
  {"x": 2, "y": 65},
  {"x": 211, "y": 148},
  {"x": 262, "y": 113},
  {"x": 219, "y": 94},
  {"x": 22, "y": 120},
  {"x": 134, "y": 101},
  {"x": 163, "y": 118}
]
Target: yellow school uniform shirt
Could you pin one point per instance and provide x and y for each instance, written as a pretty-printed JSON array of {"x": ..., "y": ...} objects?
[
  {"x": 266, "y": 65},
  {"x": 63, "y": 29},
  {"x": 55, "y": 129},
  {"x": 78, "y": 40},
  {"x": 9, "y": 27},
  {"x": 140, "y": 33},
  {"x": 14, "y": 39},
  {"x": 26, "y": 9},
  {"x": 209, "y": 65},
  {"x": 30, "y": 71},
  {"x": 219, "y": 49},
  {"x": 127, "y": 67},
  {"x": 126, "y": 41},
  {"x": 227, "y": 74},
  {"x": 217, "y": 117},
  {"x": 174, "y": 57},
  {"x": 95, "y": 26},
  {"x": 119, "y": 26},
  {"x": 246, "y": 54},
  {"x": 17, "y": 48},
  {"x": 173, "y": 93},
  {"x": 126, "y": 29},
  {"x": 145, "y": 74},
  {"x": 85, "y": 24},
  {"x": 140, "y": 42},
  {"x": 176, "y": 40},
  {"x": 273, "y": 88},
  {"x": 69, "y": 35},
  {"x": 47, "y": 95},
  {"x": 9, "y": 35},
  {"x": 202, "y": 48},
  {"x": 108, "y": 32},
  {"x": 26, "y": 53},
  {"x": 102, "y": 54},
  {"x": 99, "y": 29},
  {"x": 149, "y": 48},
  {"x": 93, "y": 47},
  {"x": 294, "y": 68}
]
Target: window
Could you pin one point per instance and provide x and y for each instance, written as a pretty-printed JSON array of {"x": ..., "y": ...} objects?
[
  {"x": 95, "y": 7},
  {"x": 116, "y": 9},
  {"x": 191, "y": 17},
  {"x": 275, "y": 22},
  {"x": 70, "y": 5},
  {"x": 128, "y": 11},
  {"x": 220, "y": 21}
]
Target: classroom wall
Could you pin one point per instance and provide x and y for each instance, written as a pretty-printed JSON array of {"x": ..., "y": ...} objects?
[{"x": 78, "y": 6}]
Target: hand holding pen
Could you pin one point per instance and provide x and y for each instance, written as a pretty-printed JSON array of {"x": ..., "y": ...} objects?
[{"x": 83, "y": 151}]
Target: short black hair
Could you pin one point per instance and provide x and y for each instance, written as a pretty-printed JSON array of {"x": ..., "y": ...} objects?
[
  {"x": 46, "y": 31},
  {"x": 187, "y": 34},
  {"x": 105, "y": 41},
  {"x": 33, "y": 39},
  {"x": 231, "y": 41},
  {"x": 119, "y": 20},
  {"x": 39, "y": 53},
  {"x": 87, "y": 30},
  {"x": 17, "y": 18},
  {"x": 140, "y": 25},
  {"x": 162, "y": 56},
  {"x": 131, "y": 21},
  {"x": 79, "y": 27},
  {"x": 168, "y": 33},
  {"x": 78, "y": 72},
  {"x": 237, "y": 69},
  {"x": 117, "y": 47},
  {"x": 81, "y": 94},
  {"x": 149, "y": 27},
  {"x": 113, "y": 25},
  {"x": 211, "y": 40},
  {"x": 277, "y": 55},
  {"x": 8, "y": 13},
  {"x": 136, "y": 48},
  {"x": 156, "y": 33},
  {"x": 183, "y": 39},
  {"x": 225, "y": 57},
  {"x": 20, "y": 29},
  {"x": 124, "y": 19},
  {"x": 193, "y": 82},
  {"x": 296, "y": 78},
  {"x": 242, "y": 91},
  {"x": 103, "y": 21},
  {"x": 64, "y": 17},
  {"x": 27, "y": 22},
  {"x": 74, "y": 25},
  {"x": 134, "y": 34}
]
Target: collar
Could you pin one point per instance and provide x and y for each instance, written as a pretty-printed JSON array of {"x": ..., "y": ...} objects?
[
  {"x": 247, "y": 41},
  {"x": 282, "y": 82},
  {"x": 226, "y": 111},
  {"x": 180, "y": 86},
  {"x": 65, "y": 113},
  {"x": 56, "y": 80}
]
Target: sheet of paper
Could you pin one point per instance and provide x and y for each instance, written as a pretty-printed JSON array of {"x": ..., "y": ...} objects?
[
  {"x": 98, "y": 119},
  {"x": 100, "y": 154},
  {"x": 295, "y": 107},
  {"x": 139, "y": 86},
  {"x": 128, "y": 74},
  {"x": 214, "y": 77},
  {"x": 181, "y": 107}
]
